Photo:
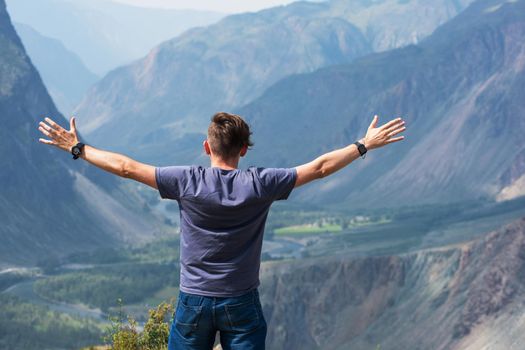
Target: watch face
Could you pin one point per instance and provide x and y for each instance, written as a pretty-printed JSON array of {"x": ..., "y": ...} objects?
[{"x": 76, "y": 151}]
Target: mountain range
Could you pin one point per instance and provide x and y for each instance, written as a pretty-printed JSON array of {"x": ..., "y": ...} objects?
[
  {"x": 51, "y": 206},
  {"x": 307, "y": 82},
  {"x": 461, "y": 92},
  {"x": 158, "y": 107},
  {"x": 106, "y": 34}
]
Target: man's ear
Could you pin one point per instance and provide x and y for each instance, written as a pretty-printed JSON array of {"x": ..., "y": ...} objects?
[
  {"x": 244, "y": 149},
  {"x": 206, "y": 146}
]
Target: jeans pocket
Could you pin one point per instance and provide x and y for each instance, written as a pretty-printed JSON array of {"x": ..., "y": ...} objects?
[
  {"x": 243, "y": 317},
  {"x": 187, "y": 318}
]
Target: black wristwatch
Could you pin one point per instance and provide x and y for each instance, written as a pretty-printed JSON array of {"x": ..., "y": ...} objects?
[
  {"x": 77, "y": 149},
  {"x": 361, "y": 148}
]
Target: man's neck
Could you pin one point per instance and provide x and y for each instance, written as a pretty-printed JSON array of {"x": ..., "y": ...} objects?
[{"x": 226, "y": 165}]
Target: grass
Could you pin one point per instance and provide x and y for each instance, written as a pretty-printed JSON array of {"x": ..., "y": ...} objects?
[
  {"x": 308, "y": 229},
  {"x": 329, "y": 226}
]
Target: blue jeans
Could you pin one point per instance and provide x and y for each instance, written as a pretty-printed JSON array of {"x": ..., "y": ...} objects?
[{"x": 239, "y": 321}]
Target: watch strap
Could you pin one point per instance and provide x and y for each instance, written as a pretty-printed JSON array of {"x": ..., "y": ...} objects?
[
  {"x": 80, "y": 147},
  {"x": 361, "y": 148}
]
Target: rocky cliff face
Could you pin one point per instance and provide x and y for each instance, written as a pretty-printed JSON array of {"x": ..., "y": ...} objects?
[
  {"x": 461, "y": 92},
  {"x": 468, "y": 296},
  {"x": 159, "y": 107},
  {"x": 49, "y": 205}
]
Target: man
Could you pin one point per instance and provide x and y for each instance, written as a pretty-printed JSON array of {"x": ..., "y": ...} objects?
[{"x": 223, "y": 211}]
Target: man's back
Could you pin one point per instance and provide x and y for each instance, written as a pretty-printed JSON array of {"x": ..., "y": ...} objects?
[{"x": 222, "y": 219}]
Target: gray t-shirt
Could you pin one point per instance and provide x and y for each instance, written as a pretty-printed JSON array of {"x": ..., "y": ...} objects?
[{"x": 222, "y": 218}]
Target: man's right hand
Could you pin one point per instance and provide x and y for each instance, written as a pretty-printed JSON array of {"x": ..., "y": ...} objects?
[
  {"x": 379, "y": 136},
  {"x": 60, "y": 137}
]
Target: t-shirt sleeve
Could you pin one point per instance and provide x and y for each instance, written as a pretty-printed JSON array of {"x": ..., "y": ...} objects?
[
  {"x": 171, "y": 180},
  {"x": 277, "y": 183}
]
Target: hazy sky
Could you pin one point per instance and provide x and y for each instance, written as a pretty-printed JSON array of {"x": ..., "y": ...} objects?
[{"x": 225, "y": 6}]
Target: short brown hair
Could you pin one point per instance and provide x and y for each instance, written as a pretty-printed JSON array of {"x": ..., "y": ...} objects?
[{"x": 227, "y": 134}]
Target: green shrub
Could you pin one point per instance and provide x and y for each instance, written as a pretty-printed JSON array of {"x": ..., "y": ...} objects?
[{"x": 124, "y": 333}]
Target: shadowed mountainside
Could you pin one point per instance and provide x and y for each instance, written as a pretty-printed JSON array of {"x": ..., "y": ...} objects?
[
  {"x": 158, "y": 107},
  {"x": 468, "y": 296},
  {"x": 461, "y": 92},
  {"x": 49, "y": 205}
]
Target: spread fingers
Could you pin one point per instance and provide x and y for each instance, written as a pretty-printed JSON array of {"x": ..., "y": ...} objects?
[
  {"x": 48, "y": 142},
  {"x": 44, "y": 131},
  {"x": 396, "y": 131},
  {"x": 53, "y": 124},
  {"x": 392, "y": 123},
  {"x": 395, "y": 139}
]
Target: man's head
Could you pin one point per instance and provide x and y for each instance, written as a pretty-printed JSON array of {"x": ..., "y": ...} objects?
[{"x": 228, "y": 136}]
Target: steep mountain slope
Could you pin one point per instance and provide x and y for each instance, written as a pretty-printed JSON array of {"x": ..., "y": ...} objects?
[
  {"x": 65, "y": 76},
  {"x": 105, "y": 34},
  {"x": 461, "y": 91},
  {"x": 468, "y": 296},
  {"x": 48, "y": 204},
  {"x": 166, "y": 98}
]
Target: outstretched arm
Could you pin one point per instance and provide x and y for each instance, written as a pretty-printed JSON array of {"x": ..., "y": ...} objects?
[
  {"x": 114, "y": 163},
  {"x": 331, "y": 162}
]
